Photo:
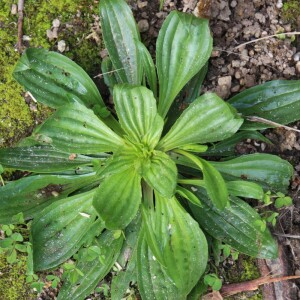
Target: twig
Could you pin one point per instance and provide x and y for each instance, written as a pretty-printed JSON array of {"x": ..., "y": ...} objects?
[
  {"x": 288, "y": 235},
  {"x": 110, "y": 72},
  {"x": 20, "y": 24},
  {"x": 267, "y": 37},
  {"x": 265, "y": 121},
  {"x": 252, "y": 285}
]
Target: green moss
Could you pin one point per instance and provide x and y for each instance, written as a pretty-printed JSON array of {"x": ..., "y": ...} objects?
[
  {"x": 16, "y": 117},
  {"x": 13, "y": 284},
  {"x": 291, "y": 11},
  {"x": 245, "y": 269}
]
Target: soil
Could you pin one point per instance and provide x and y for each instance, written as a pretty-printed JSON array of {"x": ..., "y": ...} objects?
[{"x": 233, "y": 69}]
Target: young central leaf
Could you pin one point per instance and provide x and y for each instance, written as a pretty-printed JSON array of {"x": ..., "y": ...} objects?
[
  {"x": 137, "y": 112},
  {"x": 160, "y": 173}
]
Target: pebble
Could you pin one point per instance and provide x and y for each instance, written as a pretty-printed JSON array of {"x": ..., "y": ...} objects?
[
  {"x": 296, "y": 56},
  {"x": 298, "y": 67},
  {"x": 61, "y": 46},
  {"x": 56, "y": 23},
  {"x": 279, "y": 4},
  {"x": 14, "y": 9},
  {"x": 142, "y": 4},
  {"x": 233, "y": 4},
  {"x": 143, "y": 25}
]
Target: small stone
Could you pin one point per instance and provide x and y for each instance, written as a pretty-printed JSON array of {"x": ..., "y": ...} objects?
[
  {"x": 296, "y": 56},
  {"x": 260, "y": 17},
  {"x": 26, "y": 38},
  {"x": 233, "y": 4},
  {"x": 14, "y": 9},
  {"x": 215, "y": 53},
  {"x": 279, "y": 4},
  {"x": 298, "y": 67},
  {"x": 61, "y": 46},
  {"x": 142, "y": 4},
  {"x": 143, "y": 25},
  {"x": 226, "y": 80},
  {"x": 235, "y": 88},
  {"x": 49, "y": 34},
  {"x": 56, "y": 23}
]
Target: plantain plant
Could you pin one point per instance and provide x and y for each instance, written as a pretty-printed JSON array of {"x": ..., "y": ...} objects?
[{"x": 135, "y": 184}]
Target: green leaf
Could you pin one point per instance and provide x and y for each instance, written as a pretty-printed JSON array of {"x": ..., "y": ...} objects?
[
  {"x": 176, "y": 241},
  {"x": 245, "y": 189},
  {"x": 118, "y": 198},
  {"x": 277, "y": 101},
  {"x": 55, "y": 80},
  {"x": 270, "y": 171},
  {"x": 183, "y": 46},
  {"x": 108, "y": 73},
  {"x": 227, "y": 146},
  {"x": 12, "y": 257},
  {"x": 31, "y": 194},
  {"x": 1, "y": 169},
  {"x": 121, "y": 37},
  {"x": 235, "y": 226},
  {"x": 149, "y": 68},
  {"x": 153, "y": 282},
  {"x": 58, "y": 231},
  {"x": 283, "y": 201},
  {"x": 188, "y": 195},
  {"x": 160, "y": 173},
  {"x": 93, "y": 271},
  {"x": 76, "y": 129},
  {"x": 136, "y": 109},
  {"x": 207, "y": 119},
  {"x": 42, "y": 159},
  {"x": 17, "y": 237},
  {"x": 213, "y": 180}
]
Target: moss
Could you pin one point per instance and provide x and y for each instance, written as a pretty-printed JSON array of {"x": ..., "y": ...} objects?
[
  {"x": 291, "y": 11},
  {"x": 13, "y": 284},
  {"x": 16, "y": 117},
  {"x": 244, "y": 270}
]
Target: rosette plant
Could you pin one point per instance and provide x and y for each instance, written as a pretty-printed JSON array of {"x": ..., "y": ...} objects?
[{"x": 135, "y": 184}]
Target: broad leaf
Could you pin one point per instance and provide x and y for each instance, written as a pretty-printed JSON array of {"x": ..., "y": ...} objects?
[
  {"x": 76, "y": 129},
  {"x": 31, "y": 194},
  {"x": 207, "y": 119},
  {"x": 121, "y": 37},
  {"x": 41, "y": 159},
  {"x": 93, "y": 270},
  {"x": 227, "y": 147},
  {"x": 176, "y": 241},
  {"x": 153, "y": 282},
  {"x": 183, "y": 46},
  {"x": 245, "y": 189},
  {"x": 160, "y": 173},
  {"x": 270, "y": 171},
  {"x": 136, "y": 109},
  {"x": 58, "y": 231},
  {"x": 235, "y": 226},
  {"x": 149, "y": 68},
  {"x": 278, "y": 101},
  {"x": 118, "y": 198},
  {"x": 55, "y": 80}
]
